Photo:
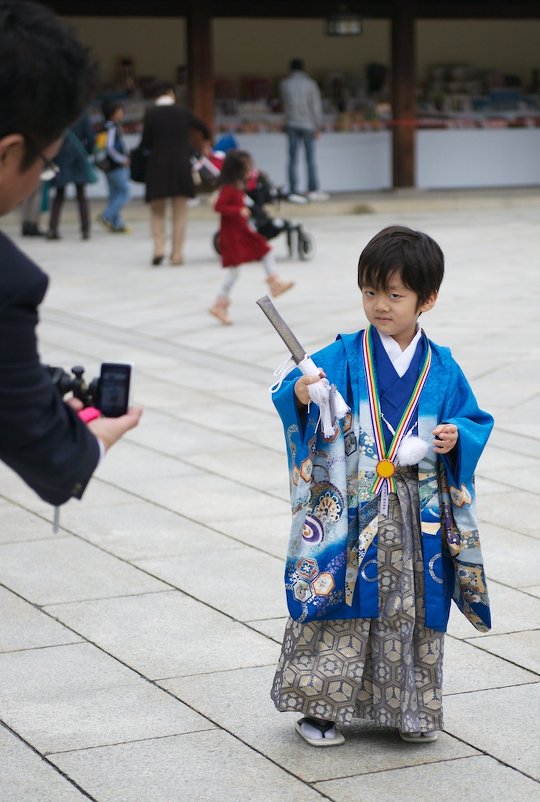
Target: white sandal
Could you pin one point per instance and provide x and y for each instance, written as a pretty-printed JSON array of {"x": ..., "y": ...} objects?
[
  {"x": 419, "y": 737},
  {"x": 319, "y": 733}
]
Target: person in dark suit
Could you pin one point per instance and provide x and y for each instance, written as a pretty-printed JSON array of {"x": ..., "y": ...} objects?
[
  {"x": 41, "y": 437},
  {"x": 166, "y": 135}
]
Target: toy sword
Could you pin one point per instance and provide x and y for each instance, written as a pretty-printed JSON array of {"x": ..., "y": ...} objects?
[{"x": 325, "y": 395}]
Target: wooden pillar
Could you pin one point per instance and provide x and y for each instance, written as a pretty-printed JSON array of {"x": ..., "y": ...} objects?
[
  {"x": 200, "y": 61},
  {"x": 403, "y": 93}
]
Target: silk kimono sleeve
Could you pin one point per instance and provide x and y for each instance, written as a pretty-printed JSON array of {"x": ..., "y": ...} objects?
[{"x": 474, "y": 427}]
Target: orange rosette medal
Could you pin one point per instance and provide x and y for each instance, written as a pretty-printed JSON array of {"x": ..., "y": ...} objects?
[{"x": 385, "y": 468}]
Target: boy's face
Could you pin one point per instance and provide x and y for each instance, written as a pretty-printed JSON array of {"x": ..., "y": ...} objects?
[{"x": 395, "y": 310}]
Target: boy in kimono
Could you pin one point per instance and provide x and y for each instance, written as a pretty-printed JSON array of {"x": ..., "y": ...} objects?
[{"x": 384, "y": 530}]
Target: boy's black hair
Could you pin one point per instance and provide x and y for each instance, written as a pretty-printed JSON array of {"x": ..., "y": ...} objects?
[
  {"x": 297, "y": 64},
  {"x": 108, "y": 107},
  {"x": 413, "y": 255},
  {"x": 234, "y": 167},
  {"x": 46, "y": 76}
]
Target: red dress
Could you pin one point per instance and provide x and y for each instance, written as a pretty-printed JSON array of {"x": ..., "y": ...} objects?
[{"x": 238, "y": 242}]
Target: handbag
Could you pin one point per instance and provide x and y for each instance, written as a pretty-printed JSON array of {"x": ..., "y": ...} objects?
[{"x": 138, "y": 163}]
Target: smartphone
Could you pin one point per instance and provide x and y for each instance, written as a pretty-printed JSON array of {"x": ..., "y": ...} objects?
[{"x": 113, "y": 394}]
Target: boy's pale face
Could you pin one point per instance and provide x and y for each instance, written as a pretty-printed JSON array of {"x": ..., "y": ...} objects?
[{"x": 395, "y": 310}]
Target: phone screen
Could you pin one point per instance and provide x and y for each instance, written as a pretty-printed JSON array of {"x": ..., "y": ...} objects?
[{"x": 113, "y": 393}]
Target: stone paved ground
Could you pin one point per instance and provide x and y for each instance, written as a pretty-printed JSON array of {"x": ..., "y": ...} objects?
[{"x": 137, "y": 644}]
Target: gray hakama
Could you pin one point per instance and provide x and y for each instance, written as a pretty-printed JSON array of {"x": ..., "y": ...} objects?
[{"x": 387, "y": 669}]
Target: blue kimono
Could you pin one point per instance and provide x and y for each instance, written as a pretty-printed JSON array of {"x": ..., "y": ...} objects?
[{"x": 331, "y": 568}]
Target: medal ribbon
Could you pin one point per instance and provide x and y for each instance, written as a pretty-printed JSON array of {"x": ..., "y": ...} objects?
[{"x": 375, "y": 410}]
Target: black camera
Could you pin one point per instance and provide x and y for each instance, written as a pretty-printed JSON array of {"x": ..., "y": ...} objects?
[{"x": 109, "y": 392}]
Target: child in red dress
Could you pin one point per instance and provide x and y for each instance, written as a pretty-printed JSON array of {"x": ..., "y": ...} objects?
[{"x": 238, "y": 240}]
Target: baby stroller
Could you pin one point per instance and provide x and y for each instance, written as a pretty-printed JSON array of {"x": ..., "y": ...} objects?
[{"x": 260, "y": 192}]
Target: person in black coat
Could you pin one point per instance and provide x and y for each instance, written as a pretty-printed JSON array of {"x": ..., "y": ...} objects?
[
  {"x": 41, "y": 437},
  {"x": 167, "y": 136},
  {"x": 74, "y": 168}
]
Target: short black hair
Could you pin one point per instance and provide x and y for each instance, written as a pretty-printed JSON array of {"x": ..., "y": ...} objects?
[
  {"x": 235, "y": 165},
  {"x": 413, "y": 255},
  {"x": 297, "y": 64},
  {"x": 108, "y": 108},
  {"x": 47, "y": 76}
]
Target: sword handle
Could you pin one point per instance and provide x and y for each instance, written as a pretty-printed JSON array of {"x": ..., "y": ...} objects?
[{"x": 297, "y": 351}]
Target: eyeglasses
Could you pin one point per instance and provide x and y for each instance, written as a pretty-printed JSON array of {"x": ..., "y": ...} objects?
[{"x": 50, "y": 170}]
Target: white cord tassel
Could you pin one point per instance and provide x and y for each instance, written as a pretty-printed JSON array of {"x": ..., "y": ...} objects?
[
  {"x": 320, "y": 392},
  {"x": 411, "y": 451}
]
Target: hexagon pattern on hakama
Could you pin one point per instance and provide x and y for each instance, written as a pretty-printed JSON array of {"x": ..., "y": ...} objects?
[{"x": 386, "y": 669}]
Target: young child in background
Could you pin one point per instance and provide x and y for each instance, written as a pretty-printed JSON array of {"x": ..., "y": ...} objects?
[
  {"x": 384, "y": 531},
  {"x": 238, "y": 240},
  {"x": 117, "y": 174}
]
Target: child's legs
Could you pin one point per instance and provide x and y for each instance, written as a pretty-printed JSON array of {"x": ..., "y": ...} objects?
[
  {"x": 157, "y": 225},
  {"x": 269, "y": 264},
  {"x": 231, "y": 278},
  {"x": 118, "y": 181}
]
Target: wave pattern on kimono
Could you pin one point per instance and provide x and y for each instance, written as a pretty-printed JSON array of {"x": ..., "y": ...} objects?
[{"x": 331, "y": 568}]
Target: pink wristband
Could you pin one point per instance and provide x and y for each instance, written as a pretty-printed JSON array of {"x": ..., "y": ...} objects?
[{"x": 88, "y": 414}]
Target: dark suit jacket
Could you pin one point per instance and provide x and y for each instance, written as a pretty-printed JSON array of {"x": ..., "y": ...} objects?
[
  {"x": 167, "y": 134},
  {"x": 41, "y": 438}
]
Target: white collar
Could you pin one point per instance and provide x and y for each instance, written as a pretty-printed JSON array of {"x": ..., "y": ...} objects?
[
  {"x": 164, "y": 100},
  {"x": 400, "y": 359}
]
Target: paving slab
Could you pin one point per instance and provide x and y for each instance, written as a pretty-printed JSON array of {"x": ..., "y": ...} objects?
[
  {"x": 269, "y": 534},
  {"x": 174, "y": 437},
  {"x": 205, "y": 498},
  {"x": 511, "y": 611},
  {"x": 73, "y": 697},
  {"x": 272, "y": 627},
  {"x": 246, "y": 466},
  {"x": 141, "y": 531},
  {"x": 510, "y": 557},
  {"x": 240, "y": 702},
  {"x": 466, "y": 668},
  {"x": 242, "y": 582},
  {"x": 501, "y": 514},
  {"x": 470, "y": 778},
  {"x": 134, "y": 462},
  {"x": 167, "y": 634},
  {"x": 67, "y": 569},
  {"x": 204, "y": 766},
  {"x": 19, "y": 525},
  {"x": 26, "y": 777},
  {"x": 22, "y": 626},
  {"x": 502, "y": 722},
  {"x": 522, "y": 648}
]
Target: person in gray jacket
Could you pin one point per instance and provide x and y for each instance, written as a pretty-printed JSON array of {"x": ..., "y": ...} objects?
[{"x": 303, "y": 115}]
